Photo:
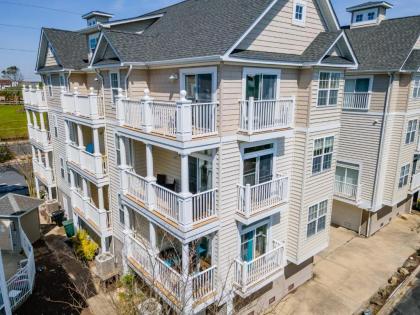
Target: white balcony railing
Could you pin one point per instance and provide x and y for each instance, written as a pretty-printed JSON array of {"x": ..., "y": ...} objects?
[
  {"x": 91, "y": 213},
  {"x": 93, "y": 163},
  {"x": 182, "y": 120},
  {"x": 415, "y": 182},
  {"x": 194, "y": 288},
  {"x": 34, "y": 97},
  {"x": 265, "y": 115},
  {"x": 345, "y": 190},
  {"x": 356, "y": 101},
  {"x": 82, "y": 105},
  {"x": 40, "y": 136},
  {"x": 254, "y": 199},
  {"x": 184, "y": 211},
  {"x": 46, "y": 174},
  {"x": 248, "y": 273}
]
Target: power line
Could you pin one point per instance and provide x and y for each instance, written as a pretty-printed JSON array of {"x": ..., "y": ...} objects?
[
  {"x": 17, "y": 49},
  {"x": 20, "y": 26},
  {"x": 39, "y": 7}
]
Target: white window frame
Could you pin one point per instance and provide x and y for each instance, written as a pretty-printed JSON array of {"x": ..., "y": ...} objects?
[
  {"x": 329, "y": 89},
  {"x": 203, "y": 70},
  {"x": 243, "y": 229},
  {"x": 49, "y": 85},
  {"x": 404, "y": 176},
  {"x": 263, "y": 71},
  {"x": 365, "y": 16},
  {"x": 317, "y": 218},
  {"x": 245, "y": 156},
  {"x": 295, "y": 21},
  {"x": 322, "y": 155},
  {"x": 63, "y": 81},
  {"x": 410, "y": 132},
  {"x": 117, "y": 72},
  {"x": 370, "y": 77},
  {"x": 416, "y": 87}
]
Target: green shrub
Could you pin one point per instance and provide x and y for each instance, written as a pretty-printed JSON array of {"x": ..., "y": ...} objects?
[
  {"x": 5, "y": 154},
  {"x": 84, "y": 246}
]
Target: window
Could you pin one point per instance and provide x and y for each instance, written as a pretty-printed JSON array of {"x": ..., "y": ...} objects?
[
  {"x": 371, "y": 16},
  {"x": 416, "y": 87},
  {"x": 405, "y": 170},
  {"x": 62, "y": 171},
  {"x": 118, "y": 149},
  {"x": 49, "y": 85},
  {"x": 93, "y": 41},
  {"x": 114, "y": 79},
  {"x": 329, "y": 83},
  {"x": 73, "y": 133},
  {"x": 63, "y": 81},
  {"x": 199, "y": 83},
  {"x": 129, "y": 157},
  {"x": 91, "y": 22},
  {"x": 254, "y": 242},
  {"x": 122, "y": 216},
  {"x": 359, "y": 18},
  {"x": 299, "y": 12},
  {"x": 258, "y": 164},
  {"x": 317, "y": 217},
  {"x": 55, "y": 126},
  {"x": 411, "y": 131},
  {"x": 200, "y": 171},
  {"x": 347, "y": 180},
  {"x": 322, "y": 157},
  {"x": 261, "y": 86}
]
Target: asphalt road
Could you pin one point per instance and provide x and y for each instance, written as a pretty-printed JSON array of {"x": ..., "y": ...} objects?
[{"x": 410, "y": 304}]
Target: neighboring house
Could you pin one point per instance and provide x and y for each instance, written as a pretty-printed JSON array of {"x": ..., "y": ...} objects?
[
  {"x": 377, "y": 174},
  {"x": 5, "y": 83},
  {"x": 19, "y": 228},
  {"x": 200, "y": 151}
]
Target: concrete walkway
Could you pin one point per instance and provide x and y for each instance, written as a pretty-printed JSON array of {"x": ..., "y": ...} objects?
[{"x": 352, "y": 269}]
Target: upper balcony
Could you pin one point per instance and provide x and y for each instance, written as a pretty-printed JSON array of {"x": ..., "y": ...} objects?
[
  {"x": 251, "y": 275},
  {"x": 34, "y": 99},
  {"x": 259, "y": 201},
  {"x": 180, "y": 121},
  {"x": 94, "y": 163},
  {"x": 40, "y": 137},
  {"x": 356, "y": 101},
  {"x": 264, "y": 116},
  {"x": 415, "y": 183},
  {"x": 347, "y": 191},
  {"x": 45, "y": 174},
  {"x": 85, "y": 107}
]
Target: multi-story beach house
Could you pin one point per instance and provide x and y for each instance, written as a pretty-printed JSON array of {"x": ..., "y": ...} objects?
[
  {"x": 377, "y": 175},
  {"x": 198, "y": 143}
]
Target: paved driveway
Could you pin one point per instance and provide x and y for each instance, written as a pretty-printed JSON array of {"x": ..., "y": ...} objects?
[{"x": 352, "y": 269}]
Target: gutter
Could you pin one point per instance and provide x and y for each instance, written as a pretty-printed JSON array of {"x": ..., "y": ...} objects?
[
  {"x": 381, "y": 147},
  {"x": 126, "y": 79}
]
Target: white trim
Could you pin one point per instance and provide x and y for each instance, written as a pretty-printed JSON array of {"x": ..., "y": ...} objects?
[
  {"x": 117, "y": 72},
  {"x": 127, "y": 21},
  {"x": 331, "y": 8},
  {"x": 320, "y": 128},
  {"x": 195, "y": 71},
  {"x": 303, "y": 4},
  {"x": 329, "y": 89},
  {"x": 328, "y": 201},
  {"x": 255, "y": 71},
  {"x": 323, "y": 154},
  {"x": 229, "y": 51}
]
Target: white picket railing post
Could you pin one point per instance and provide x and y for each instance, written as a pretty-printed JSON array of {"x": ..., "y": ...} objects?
[
  {"x": 93, "y": 104},
  {"x": 124, "y": 181},
  {"x": 244, "y": 274},
  {"x": 146, "y": 103},
  {"x": 185, "y": 209},
  {"x": 247, "y": 197},
  {"x": 120, "y": 107},
  {"x": 250, "y": 113},
  {"x": 183, "y": 118}
]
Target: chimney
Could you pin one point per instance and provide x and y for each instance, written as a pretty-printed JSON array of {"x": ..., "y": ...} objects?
[
  {"x": 368, "y": 13},
  {"x": 96, "y": 17}
]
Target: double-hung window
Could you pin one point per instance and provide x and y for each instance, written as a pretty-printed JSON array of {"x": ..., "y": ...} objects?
[
  {"x": 329, "y": 84},
  {"x": 322, "y": 156},
  {"x": 299, "y": 12},
  {"x": 317, "y": 217},
  {"x": 416, "y": 87},
  {"x": 411, "y": 131},
  {"x": 114, "y": 78},
  {"x": 62, "y": 171},
  {"x": 404, "y": 174}
]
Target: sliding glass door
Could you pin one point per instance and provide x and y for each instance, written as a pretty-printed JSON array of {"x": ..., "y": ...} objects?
[
  {"x": 254, "y": 243},
  {"x": 261, "y": 86},
  {"x": 199, "y": 87}
]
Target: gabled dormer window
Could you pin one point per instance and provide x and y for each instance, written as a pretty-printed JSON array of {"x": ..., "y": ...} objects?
[
  {"x": 359, "y": 18},
  {"x": 299, "y": 12},
  {"x": 371, "y": 16}
]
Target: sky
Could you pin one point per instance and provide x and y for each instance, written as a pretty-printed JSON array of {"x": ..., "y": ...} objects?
[{"x": 21, "y": 21}]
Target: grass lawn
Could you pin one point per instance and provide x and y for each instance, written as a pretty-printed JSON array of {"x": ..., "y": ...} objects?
[{"x": 13, "y": 123}]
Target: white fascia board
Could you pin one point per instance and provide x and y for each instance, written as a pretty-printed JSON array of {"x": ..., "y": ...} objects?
[
  {"x": 127, "y": 21},
  {"x": 96, "y": 50},
  {"x": 39, "y": 50},
  {"x": 334, "y": 15},
  {"x": 265, "y": 62}
]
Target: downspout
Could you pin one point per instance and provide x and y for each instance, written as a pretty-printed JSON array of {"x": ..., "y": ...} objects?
[
  {"x": 381, "y": 148},
  {"x": 126, "y": 80},
  {"x": 68, "y": 81}
]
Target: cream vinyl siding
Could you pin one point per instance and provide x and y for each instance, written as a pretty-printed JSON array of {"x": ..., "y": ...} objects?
[
  {"x": 161, "y": 87},
  {"x": 303, "y": 98},
  {"x": 413, "y": 103},
  {"x": 276, "y": 33},
  {"x": 137, "y": 83},
  {"x": 346, "y": 215},
  {"x": 50, "y": 59}
]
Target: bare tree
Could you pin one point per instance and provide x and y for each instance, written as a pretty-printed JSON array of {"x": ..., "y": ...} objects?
[
  {"x": 12, "y": 73},
  {"x": 23, "y": 165}
]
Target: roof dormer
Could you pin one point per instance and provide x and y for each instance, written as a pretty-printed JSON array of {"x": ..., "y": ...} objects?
[
  {"x": 368, "y": 13},
  {"x": 96, "y": 17}
]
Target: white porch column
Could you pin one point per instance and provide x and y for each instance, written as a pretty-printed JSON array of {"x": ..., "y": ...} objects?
[
  {"x": 47, "y": 160},
  {"x": 123, "y": 156},
  {"x": 101, "y": 202},
  {"x": 80, "y": 136},
  {"x": 28, "y": 118},
  {"x": 39, "y": 156},
  {"x": 147, "y": 106},
  {"x": 183, "y": 118},
  {"x": 67, "y": 131},
  {"x": 85, "y": 188},
  {"x": 72, "y": 181},
  {"x": 50, "y": 197},
  {"x": 35, "y": 124},
  {"x": 3, "y": 288},
  {"x": 152, "y": 236},
  {"x": 186, "y": 215},
  {"x": 185, "y": 189},
  {"x": 41, "y": 119},
  {"x": 149, "y": 162},
  {"x": 127, "y": 224},
  {"x": 34, "y": 157},
  {"x": 103, "y": 244},
  {"x": 188, "y": 294},
  {"x": 38, "y": 195},
  {"x": 96, "y": 141}
]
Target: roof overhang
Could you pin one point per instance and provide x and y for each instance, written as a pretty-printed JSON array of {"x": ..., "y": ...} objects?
[
  {"x": 132, "y": 20},
  {"x": 43, "y": 40},
  {"x": 368, "y": 5},
  {"x": 96, "y": 13}
]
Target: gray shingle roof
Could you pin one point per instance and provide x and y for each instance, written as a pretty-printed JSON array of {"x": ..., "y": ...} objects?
[
  {"x": 193, "y": 28},
  {"x": 413, "y": 61},
  {"x": 71, "y": 48},
  {"x": 386, "y": 46},
  {"x": 11, "y": 204}
]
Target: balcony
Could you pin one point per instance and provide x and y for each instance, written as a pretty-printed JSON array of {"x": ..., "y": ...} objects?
[
  {"x": 266, "y": 115},
  {"x": 40, "y": 137},
  {"x": 256, "y": 202},
  {"x": 356, "y": 101},
  {"x": 98, "y": 219},
  {"x": 347, "y": 191},
  {"x": 181, "y": 120},
  {"x": 196, "y": 290},
  {"x": 34, "y": 99},
  {"x": 83, "y": 106},
  {"x": 45, "y": 174},
  {"x": 183, "y": 212},
  {"x": 415, "y": 183},
  {"x": 95, "y": 164},
  {"x": 250, "y": 276}
]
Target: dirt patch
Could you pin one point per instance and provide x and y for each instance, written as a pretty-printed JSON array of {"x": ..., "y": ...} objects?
[{"x": 51, "y": 293}]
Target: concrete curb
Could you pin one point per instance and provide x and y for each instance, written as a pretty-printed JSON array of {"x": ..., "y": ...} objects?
[{"x": 398, "y": 293}]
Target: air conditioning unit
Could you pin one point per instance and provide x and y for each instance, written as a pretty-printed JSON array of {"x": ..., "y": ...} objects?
[{"x": 105, "y": 266}]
